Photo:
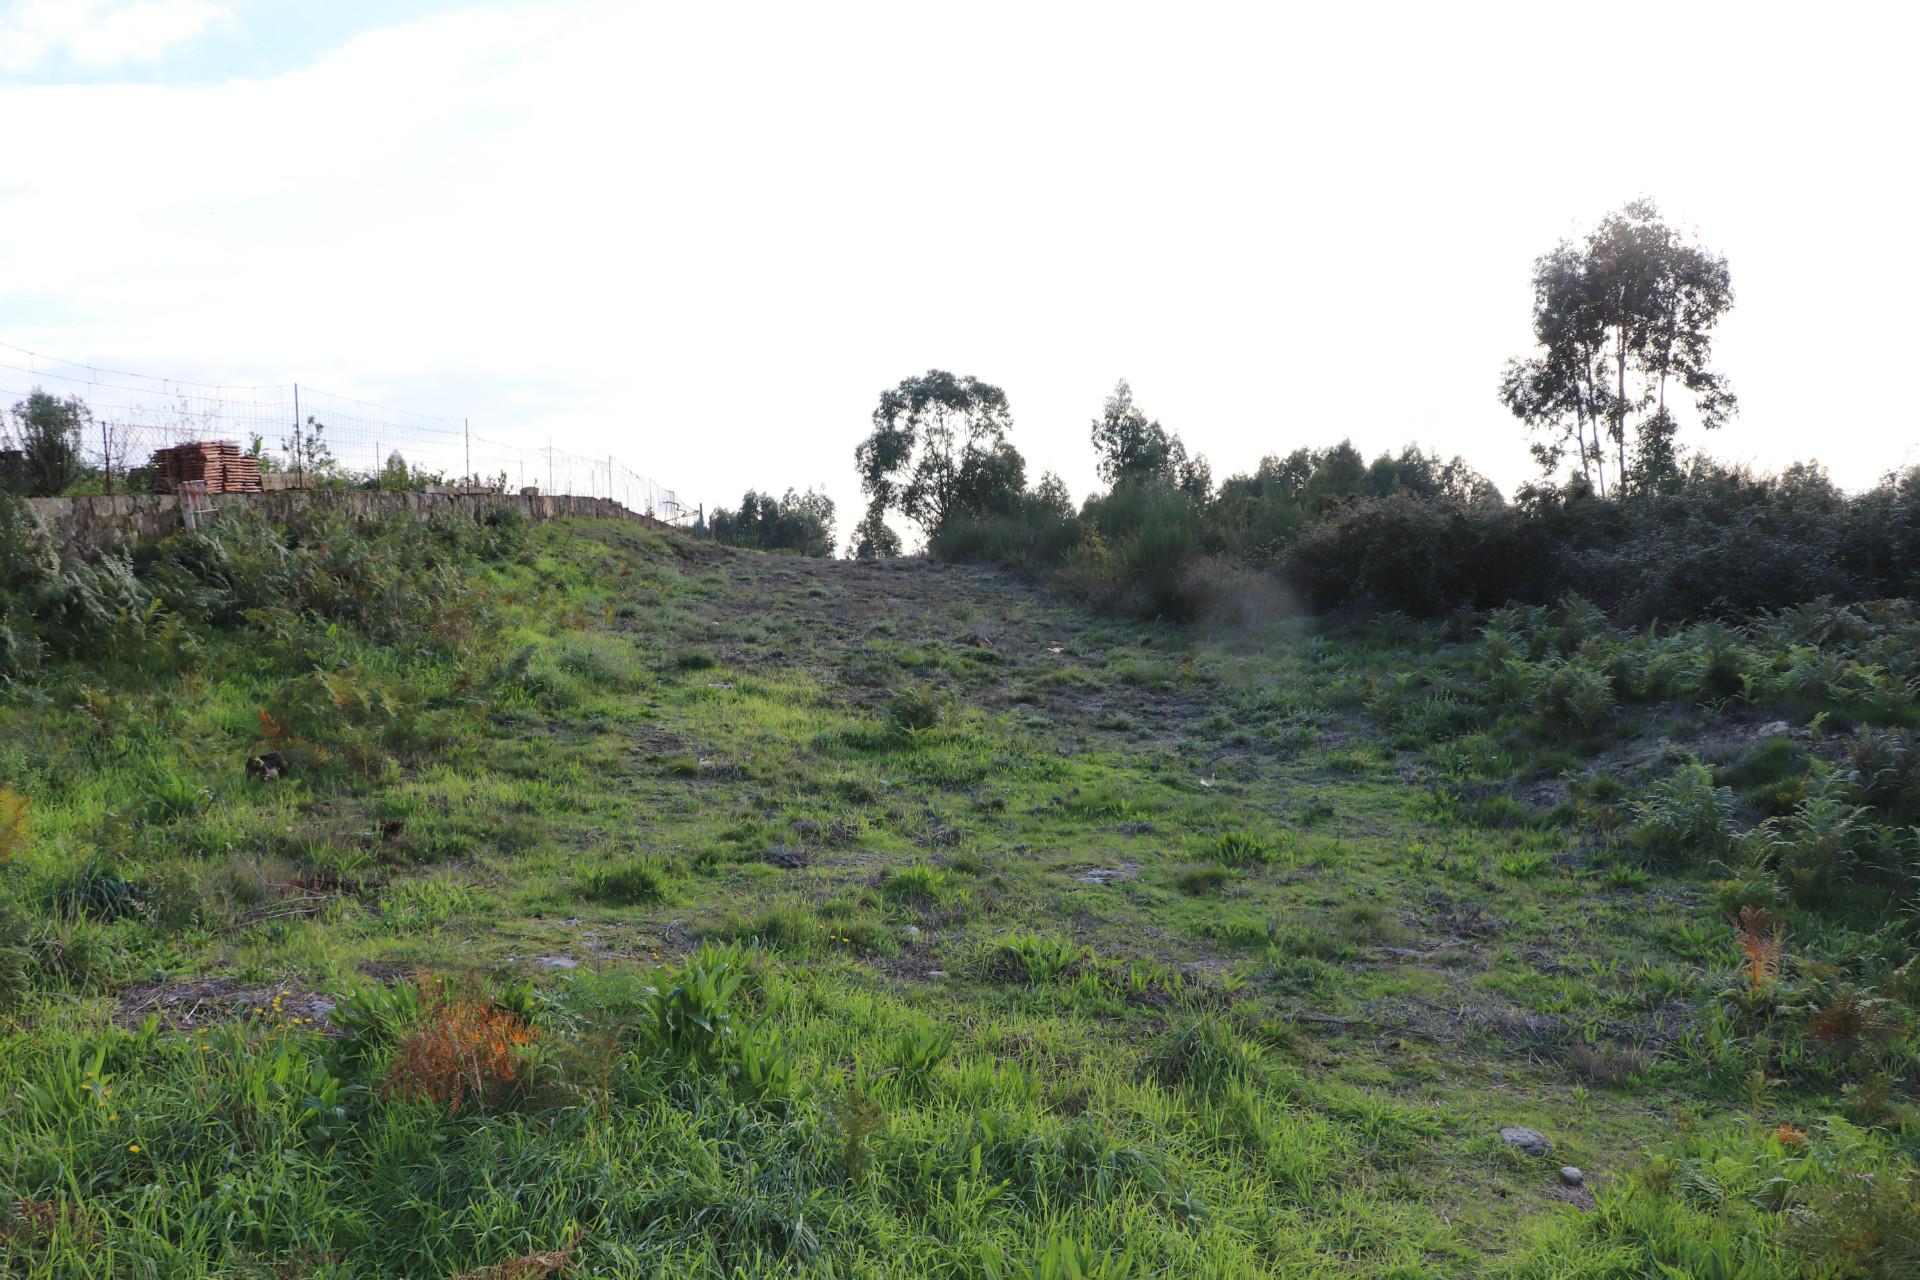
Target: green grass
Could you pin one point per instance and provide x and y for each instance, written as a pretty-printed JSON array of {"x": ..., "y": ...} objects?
[{"x": 843, "y": 949}]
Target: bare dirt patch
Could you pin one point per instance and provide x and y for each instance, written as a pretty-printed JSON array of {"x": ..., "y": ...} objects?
[{"x": 203, "y": 1002}]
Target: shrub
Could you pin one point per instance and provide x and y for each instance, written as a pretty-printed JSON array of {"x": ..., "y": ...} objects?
[
  {"x": 1886, "y": 772},
  {"x": 1032, "y": 536},
  {"x": 1820, "y": 847},
  {"x": 1155, "y": 560},
  {"x": 1424, "y": 538},
  {"x": 1399, "y": 553},
  {"x": 1770, "y": 775},
  {"x": 1685, "y": 819},
  {"x": 1572, "y": 693},
  {"x": 914, "y": 711}
]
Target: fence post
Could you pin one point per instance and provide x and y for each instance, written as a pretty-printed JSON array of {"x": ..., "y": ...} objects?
[
  {"x": 299, "y": 470},
  {"x": 466, "y": 435}
]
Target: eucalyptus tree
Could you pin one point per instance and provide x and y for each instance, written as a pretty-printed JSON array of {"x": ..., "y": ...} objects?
[
  {"x": 1135, "y": 450},
  {"x": 1620, "y": 319},
  {"x": 938, "y": 449}
]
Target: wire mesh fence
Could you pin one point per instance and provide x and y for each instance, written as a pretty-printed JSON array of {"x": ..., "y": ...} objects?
[{"x": 311, "y": 434}]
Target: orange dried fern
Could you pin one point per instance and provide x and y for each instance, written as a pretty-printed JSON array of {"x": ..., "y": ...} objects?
[
  {"x": 1759, "y": 937},
  {"x": 466, "y": 1049},
  {"x": 1850, "y": 1018}
]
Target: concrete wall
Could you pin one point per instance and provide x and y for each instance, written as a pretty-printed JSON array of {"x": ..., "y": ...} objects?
[{"x": 99, "y": 523}]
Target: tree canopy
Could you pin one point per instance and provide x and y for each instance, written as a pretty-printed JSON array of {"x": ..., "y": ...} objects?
[
  {"x": 938, "y": 449},
  {"x": 801, "y": 522},
  {"x": 1618, "y": 319},
  {"x": 47, "y": 432},
  {"x": 1133, "y": 450}
]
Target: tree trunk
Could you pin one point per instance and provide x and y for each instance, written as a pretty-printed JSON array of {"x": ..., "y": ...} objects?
[
  {"x": 1593, "y": 415},
  {"x": 1620, "y": 404},
  {"x": 1580, "y": 435}
]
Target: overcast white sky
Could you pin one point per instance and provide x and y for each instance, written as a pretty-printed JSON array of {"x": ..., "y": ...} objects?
[{"x": 704, "y": 237}]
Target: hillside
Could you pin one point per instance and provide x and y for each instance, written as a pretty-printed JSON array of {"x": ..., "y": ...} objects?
[{"x": 594, "y": 897}]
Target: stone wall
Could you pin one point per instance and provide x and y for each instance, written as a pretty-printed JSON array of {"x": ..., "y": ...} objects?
[{"x": 100, "y": 523}]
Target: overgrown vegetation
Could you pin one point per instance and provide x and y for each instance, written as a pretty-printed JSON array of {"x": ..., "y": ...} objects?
[
  {"x": 1324, "y": 531},
  {"x": 434, "y": 898}
]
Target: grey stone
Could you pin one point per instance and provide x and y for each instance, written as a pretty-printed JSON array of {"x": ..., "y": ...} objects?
[
  {"x": 1108, "y": 875},
  {"x": 1572, "y": 1176},
  {"x": 1530, "y": 1141}
]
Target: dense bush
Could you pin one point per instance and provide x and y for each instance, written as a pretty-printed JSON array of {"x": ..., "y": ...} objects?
[
  {"x": 1719, "y": 542},
  {"x": 1722, "y": 542},
  {"x": 1039, "y": 531},
  {"x": 1402, "y": 553}
]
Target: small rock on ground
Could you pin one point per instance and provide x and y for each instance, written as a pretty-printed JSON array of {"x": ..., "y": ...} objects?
[
  {"x": 1530, "y": 1141},
  {"x": 1572, "y": 1176}
]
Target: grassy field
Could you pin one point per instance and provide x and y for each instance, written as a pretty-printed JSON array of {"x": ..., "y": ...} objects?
[{"x": 636, "y": 906}]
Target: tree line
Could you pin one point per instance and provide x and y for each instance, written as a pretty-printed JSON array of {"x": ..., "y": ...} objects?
[{"x": 1623, "y": 323}]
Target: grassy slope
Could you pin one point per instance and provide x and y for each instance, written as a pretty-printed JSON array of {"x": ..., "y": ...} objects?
[{"x": 1224, "y": 979}]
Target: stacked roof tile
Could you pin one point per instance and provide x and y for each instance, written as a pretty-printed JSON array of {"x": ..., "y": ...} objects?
[{"x": 219, "y": 464}]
